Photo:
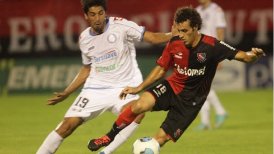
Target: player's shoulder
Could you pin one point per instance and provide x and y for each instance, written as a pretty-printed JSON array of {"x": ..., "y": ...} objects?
[
  {"x": 214, "y": 6},
  {"x": 199, "y": 8},
  {"x": 84, "y": 34},
  {"x": 209, "y": 40},
  {"x": 119, "y": 21}
]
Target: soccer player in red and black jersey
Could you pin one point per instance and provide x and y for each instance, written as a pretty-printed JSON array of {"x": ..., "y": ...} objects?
[{"x": 193, "y": 58}]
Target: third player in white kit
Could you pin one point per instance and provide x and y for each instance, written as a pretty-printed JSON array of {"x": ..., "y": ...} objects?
[{"x": 214, "y": 23}]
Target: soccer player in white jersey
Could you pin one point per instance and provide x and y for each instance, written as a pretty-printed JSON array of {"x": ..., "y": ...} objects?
[
  {"x": 214, "y": 24},
  {"x": 109, "y": 64}
]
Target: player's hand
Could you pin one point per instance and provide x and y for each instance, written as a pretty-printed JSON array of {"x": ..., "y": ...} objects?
[
  {"x": 174, "y": 30},
  {"x": 128, "y": 90},
  {"x": 258, "y": 52},
  {"x": 59, "y": 97}
]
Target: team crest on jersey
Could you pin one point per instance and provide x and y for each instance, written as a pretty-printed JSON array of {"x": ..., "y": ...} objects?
[
  {"x": 112, "y": 38},
  {"x": 201, "y": 57}
]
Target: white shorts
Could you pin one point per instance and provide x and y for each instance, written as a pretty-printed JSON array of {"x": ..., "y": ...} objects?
[{"x": 91, "y": 103}]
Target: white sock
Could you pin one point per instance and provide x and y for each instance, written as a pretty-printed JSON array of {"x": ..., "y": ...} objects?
[
  {"x": 120, "y": 138},
  {"x": 205, "y": 113},
  {"x": 50, "y": 144},
  {"x": 215, "y": 102}
]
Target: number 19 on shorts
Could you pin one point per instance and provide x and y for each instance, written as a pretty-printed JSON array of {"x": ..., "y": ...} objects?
[{"x": 82, "y": 102}]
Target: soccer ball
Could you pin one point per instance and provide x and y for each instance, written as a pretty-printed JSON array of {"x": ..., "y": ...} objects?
[{"x": 146, "y": 145}]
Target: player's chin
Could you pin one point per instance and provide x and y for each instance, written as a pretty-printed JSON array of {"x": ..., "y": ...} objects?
[{"x": 98, "y": 28}]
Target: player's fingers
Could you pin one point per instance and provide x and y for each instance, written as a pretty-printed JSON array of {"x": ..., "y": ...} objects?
[
  {"x": 123, "y": 96},
  {"x": 50, "y": 102},
  {"x": 259, "y": 51},
  {"x": 59, "y": 94},
  {"x": 54, "y": 100},
  {"x": 56, "y": 93}
]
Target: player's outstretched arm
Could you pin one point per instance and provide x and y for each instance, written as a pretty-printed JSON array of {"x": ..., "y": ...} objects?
[
  {"x": 249, "y": 56},
  {"x": 157, "y": 38},
  {"x": 74, "y": 85}
]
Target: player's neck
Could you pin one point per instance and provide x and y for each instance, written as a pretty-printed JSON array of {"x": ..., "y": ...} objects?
[{"x": 196, "y": 40}]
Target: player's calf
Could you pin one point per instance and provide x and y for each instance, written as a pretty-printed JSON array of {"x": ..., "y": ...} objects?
[{"x": 125, "y": 118}]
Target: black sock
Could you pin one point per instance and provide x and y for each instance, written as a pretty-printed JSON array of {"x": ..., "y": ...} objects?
[{"x": 114, "y": 131}]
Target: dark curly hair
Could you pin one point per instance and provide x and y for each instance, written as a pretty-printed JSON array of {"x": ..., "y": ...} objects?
[
  {"x": 86, "y": 4},
  {"x": 188, "y": 13}
]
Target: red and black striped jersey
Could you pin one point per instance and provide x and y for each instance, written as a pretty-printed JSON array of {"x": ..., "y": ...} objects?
[{"x": 193, "y": 69}]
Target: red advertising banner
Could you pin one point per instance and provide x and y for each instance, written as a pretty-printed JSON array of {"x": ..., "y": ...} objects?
[{"x": 43, "y": 26}]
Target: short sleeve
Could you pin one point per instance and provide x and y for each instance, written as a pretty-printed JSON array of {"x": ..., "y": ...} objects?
[
  {"x": 224, "y": 51},
  {"x": 134, "y": 31},
  {"x": 166, "y": 58},
  {"x": 85, "y": 59}
]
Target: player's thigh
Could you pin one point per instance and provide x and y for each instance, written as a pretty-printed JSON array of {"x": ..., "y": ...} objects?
[
  {"x": 127, "y": 105},
  {"x": 90, "y": 104},
  {"x": 144, "y": 103},
  {"x": 120, "y": 104}
]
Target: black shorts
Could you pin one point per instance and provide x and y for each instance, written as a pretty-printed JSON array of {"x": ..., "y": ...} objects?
[{"x": 180, "y": 113}]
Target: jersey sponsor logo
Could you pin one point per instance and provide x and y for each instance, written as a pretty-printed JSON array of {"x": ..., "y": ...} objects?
[
  {"x": 201, "y": 57},
  {"x": 106, "y": 57},
  {"x": 230, "y": 47},
  {"x": 105, "y": 68},
  {"x": 189, "y": 71}
]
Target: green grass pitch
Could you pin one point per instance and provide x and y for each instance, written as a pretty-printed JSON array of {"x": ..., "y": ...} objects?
[{"x": 25, "y": 121}]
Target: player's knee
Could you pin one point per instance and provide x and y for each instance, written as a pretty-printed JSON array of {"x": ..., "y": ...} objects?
[
  {"x": 138, "y": 107},
  {"x": 64, "y": 130},
  {"x": 67, "y": 127}
]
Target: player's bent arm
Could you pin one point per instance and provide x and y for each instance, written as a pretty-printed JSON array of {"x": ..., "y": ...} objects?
[
  {"x": 220, "y": 33},
  {"x": 75, "y": 84},
  {"x": 249, "y": 56},
  {"x": 157, "y": 73},
  {"x": 79, "y": 80},
  {"x": 156, "y": 38}
]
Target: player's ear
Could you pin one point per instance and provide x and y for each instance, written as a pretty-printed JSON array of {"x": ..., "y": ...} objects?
[
  {"x": 86, "y": 16},
  {"x": 195, "y": 28}
]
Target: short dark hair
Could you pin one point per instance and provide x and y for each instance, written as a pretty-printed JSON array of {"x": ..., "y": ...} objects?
[
  {"x": 86, "y": 4},
  {"x": 188, "y": 13}
]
